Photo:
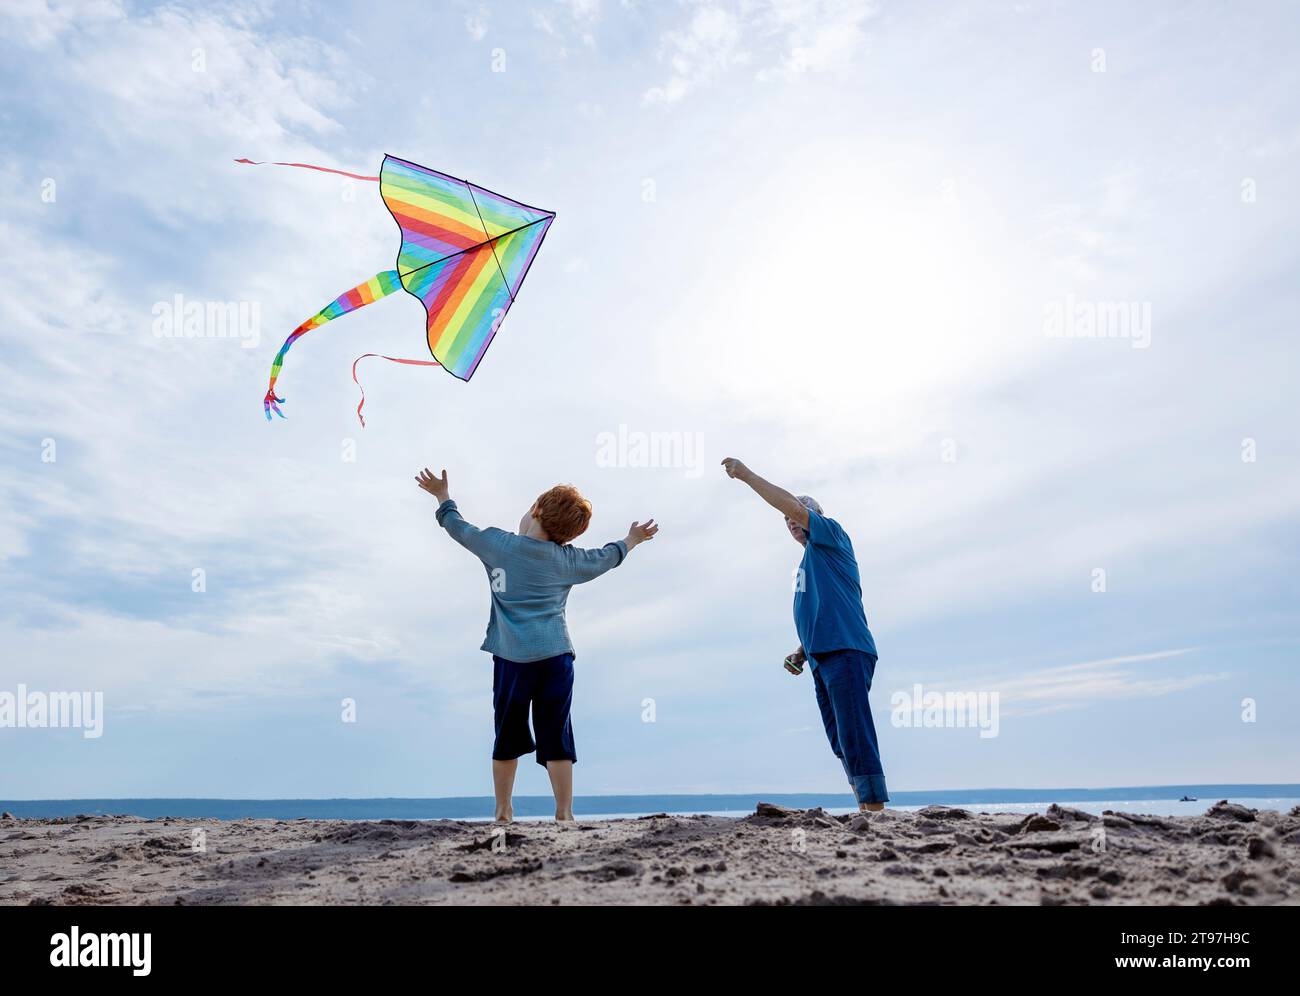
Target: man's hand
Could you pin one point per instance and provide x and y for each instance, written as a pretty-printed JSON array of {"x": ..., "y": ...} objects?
[
  {"x": 780, "y": 499},
  {"x": 735, "y": 468},
  {"x": 436, "y": 486},
  {"x": 639, "y": 532}
]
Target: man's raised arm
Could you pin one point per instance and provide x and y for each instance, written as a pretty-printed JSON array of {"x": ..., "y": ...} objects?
[{"x": 779, "y": 498}]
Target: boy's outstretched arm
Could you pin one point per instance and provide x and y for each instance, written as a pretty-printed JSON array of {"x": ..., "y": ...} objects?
[
  {"x": 779, "y": 498},
  {"x": 639, "y": 532},
  {"x": 473, "y": 539},
  {"x": 591, "y": 564},
  {"x": 436, "y": 486}
]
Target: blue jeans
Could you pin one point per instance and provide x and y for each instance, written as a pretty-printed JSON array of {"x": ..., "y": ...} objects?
[{"x": 843, "y": 679}]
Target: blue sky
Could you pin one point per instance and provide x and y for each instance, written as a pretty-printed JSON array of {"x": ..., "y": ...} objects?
[{"x": 820, "y": 236}]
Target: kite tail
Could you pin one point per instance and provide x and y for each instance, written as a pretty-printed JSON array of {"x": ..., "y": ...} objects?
[
  {"x": 392, "y": 359},
  {"x": 380, "y": 285}
]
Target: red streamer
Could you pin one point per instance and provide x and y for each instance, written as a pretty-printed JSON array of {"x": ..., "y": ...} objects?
[
  {"x": 322, "y": 169},
  {"x": 391, "y": 359}
]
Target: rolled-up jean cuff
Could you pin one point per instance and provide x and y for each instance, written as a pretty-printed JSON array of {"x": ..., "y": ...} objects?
[{"x": 869, "y": 788}]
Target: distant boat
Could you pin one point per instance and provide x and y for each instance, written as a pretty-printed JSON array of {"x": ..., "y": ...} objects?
[{"x": 1189, "y": 798}]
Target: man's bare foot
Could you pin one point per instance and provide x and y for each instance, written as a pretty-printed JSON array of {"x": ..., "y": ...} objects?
[
  {"x": 504, "y": 816},
  {"x": 565, "y": 817},
  {"x": 871, "y": 807}
]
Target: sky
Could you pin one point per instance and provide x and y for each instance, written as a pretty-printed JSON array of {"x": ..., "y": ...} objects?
[{"x": 853, "y": 244}]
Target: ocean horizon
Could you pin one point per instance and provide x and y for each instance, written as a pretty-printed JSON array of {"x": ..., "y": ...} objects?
[{"x": 1156, "y": 800}]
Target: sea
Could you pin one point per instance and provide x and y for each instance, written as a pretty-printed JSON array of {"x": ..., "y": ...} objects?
[{"x": 1155, "y": 800}]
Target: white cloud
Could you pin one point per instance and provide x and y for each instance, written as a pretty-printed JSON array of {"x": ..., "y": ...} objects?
[
  {"x": 161, "y": 141},
  {"x": 709, "y": 45},
  {"x": 41, "y": 22},
  {"x": 476, "y": 22},
  {"x": 583, "y": 11},
  {"x": 1075, "y": 685},
  {"x": 785, "y": 38},
  {"x": 569, "y": 18},
  {"x": 1037, "y": 691},
  {"x": 815, "y": 35}
]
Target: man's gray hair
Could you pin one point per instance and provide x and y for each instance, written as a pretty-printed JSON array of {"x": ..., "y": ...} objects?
[{"x": 810, "y": 503}]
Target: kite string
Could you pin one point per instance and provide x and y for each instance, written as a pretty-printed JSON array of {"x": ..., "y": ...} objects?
[{"x": 391, "y": 359}]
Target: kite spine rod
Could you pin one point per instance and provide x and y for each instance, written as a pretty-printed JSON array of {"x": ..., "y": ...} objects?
[{"x": 489, "y": 242}]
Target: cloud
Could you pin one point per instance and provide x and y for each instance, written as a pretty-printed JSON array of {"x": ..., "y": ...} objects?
[
  {"x": 708, "y": 46},
  {"x": 1092, "y": 237},
  {"x": 815, "y": 36},
  {"x": 130, "y": 510},
  {"x": 40, "y": 23},
  {"x": 783, "y": 38},
  {"x": 1072, "y": 686},
  {"x": 476, "y": 22},
  {"x": 569, "y": 18},
  {"x": 583, "y": 11}
]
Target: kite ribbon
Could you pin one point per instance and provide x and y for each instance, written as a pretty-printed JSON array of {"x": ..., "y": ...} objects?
[
  {"x": 380, "y": 285},
  {"x": 322, "y": 169},
  {"x": 391, "y": 359}
]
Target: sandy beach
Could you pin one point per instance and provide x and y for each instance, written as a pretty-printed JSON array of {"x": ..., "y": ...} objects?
[{"x": 1228, "y": 856}]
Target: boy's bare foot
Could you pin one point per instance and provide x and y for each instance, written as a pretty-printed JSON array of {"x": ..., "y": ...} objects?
[
  {"x": 503, "y": 782},
  {"x": 565, "y": 817},
  {"x": 872, "y": 807}
]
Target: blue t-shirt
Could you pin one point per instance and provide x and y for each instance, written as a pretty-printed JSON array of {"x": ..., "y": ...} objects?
[{"x": 828, "y": 593}]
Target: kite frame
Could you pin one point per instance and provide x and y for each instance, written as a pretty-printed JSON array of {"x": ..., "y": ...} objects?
[{"x": 548, "y": 216}]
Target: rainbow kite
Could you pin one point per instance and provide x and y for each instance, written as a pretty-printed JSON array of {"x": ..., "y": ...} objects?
[{"x": 465, "y": 252}]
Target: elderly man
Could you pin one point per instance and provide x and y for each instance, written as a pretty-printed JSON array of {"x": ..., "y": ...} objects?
[{"x": 833, "y": 634}]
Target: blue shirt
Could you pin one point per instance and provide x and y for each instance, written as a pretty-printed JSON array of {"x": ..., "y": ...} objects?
[
  {"x": 828, "y": 593},
  {"x": 530, "y": 581}
]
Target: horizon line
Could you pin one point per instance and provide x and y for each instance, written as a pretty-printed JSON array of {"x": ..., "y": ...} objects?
[{"x": 1272, "y": 786}]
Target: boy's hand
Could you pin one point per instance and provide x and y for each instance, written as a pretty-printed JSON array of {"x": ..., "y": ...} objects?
[
  {"x": 436, "y": 486},
  {"x": 735, "y": 468},
  {"x": 639, "y": 532}
]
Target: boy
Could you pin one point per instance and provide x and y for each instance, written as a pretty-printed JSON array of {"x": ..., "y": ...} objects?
[{"x": 530, "y": 573}]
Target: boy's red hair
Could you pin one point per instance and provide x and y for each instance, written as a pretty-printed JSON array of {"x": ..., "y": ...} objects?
[{"x": 563, "y": 513}]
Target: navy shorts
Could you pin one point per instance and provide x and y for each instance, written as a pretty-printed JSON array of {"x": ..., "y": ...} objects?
[{"x": 547, "y": 687}]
